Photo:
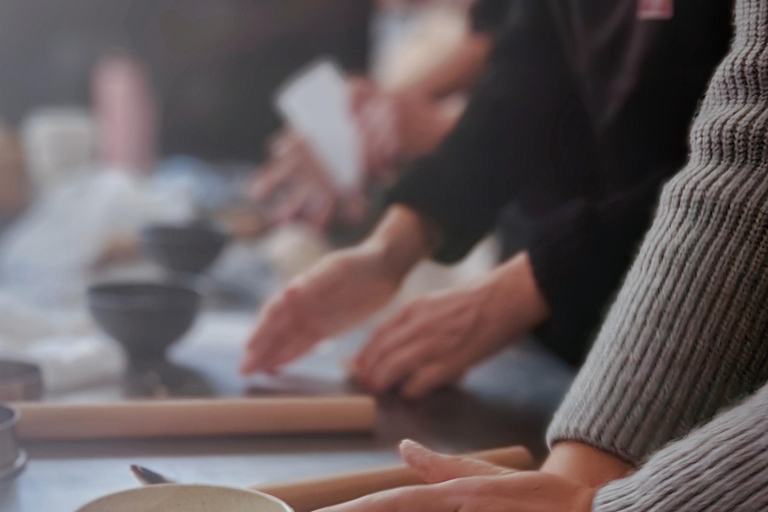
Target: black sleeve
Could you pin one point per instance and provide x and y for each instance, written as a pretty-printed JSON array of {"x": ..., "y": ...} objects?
[
  {"x": 503, "y": 142},
  {"x": 490, "y": 16},
  {"x": 579, "y": 257}
]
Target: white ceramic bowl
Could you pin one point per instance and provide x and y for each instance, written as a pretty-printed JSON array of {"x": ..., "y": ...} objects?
[{"x": 187, "y": 498}]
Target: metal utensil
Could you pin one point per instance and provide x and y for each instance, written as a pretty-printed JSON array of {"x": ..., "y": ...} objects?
[
  {"x": 20, "y": 380},
  {"x": 12, "y": 457},
  {"x": 149, "y": 477}
]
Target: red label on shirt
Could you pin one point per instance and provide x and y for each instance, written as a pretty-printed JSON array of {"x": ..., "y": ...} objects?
[{"x": 655, "y": 9}]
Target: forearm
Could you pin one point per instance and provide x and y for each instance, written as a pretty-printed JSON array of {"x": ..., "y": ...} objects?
[
  {"x": 459, "y": 72},
  {"x": 586, "y": 465},
  {"x": 511, "y": 287},
  {"x": 420, "y": 138},
  {"x": 402, "y": 239},
  {"x": 502, "y": 142}
]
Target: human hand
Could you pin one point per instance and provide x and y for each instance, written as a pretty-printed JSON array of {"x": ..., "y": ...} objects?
[
  {"x": 342, "y": 289},
  {"x": 434, "y": 340},
  {"x": 296, "y": 179},
  {"x": 396, "y": 126},
  {"x": 339, "y": 291},
  {"x": 460, "y": 484},
  {"x": 376, "y": 117}
]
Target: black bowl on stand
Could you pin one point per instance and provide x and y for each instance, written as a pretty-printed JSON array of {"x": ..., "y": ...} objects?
[
  {"x": 146, "y": 318},
  {"x": 188, "y": 249}
]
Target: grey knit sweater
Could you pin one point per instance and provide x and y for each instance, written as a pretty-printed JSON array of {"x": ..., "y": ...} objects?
[{"x": 676, "y": 380}]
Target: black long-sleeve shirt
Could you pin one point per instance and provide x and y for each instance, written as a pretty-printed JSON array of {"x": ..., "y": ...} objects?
[{"x": 582, "y": 114}]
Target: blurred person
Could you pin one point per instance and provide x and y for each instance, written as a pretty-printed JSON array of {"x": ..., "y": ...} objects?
[
  {"x": 15, "y": 185},
  {"x": 397, "y": 125},
  {"x": 670, "y": 412},
  {"x": 579, "y": 141},
  {"x": 126, "y": 114},
  {"x": 214, "y": 66}
]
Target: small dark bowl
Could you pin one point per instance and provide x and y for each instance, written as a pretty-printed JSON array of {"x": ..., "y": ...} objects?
[
  {"x": 145, "y": 318},
  {"x": 190, "y": 249}
]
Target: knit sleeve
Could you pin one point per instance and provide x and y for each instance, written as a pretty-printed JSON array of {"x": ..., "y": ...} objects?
[
  {"x": 688, "y": 333},
  {"x": 721, "y": 466}
]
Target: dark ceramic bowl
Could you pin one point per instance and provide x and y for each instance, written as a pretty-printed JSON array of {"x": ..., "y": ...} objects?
[
  {"x": 145, "y": 318},
  {"x": 191, "y": 249}
]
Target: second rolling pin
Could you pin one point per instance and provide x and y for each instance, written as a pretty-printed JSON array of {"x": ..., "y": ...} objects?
[
  {"x": 312, "y": 494},
  {"x": 205, "y": 417}
]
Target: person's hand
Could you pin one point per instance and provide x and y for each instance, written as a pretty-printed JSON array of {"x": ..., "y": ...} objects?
[
  {"x": 466, "y": 485},
  {"x": 422, "y": 123},
  {"x": 435, "y": 339},
  {"x": 295, "y": 179},
  {"x": 338, "y": 292},
  {"x": 376, "y": 117},
  {"x": 343, "y": 288},
  {"x": 396, "y": 126}
]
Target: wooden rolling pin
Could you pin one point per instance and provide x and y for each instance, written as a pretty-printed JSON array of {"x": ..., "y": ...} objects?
[
  {"x": 312, "y": 494},
  {"x": 205, "y": 417}
]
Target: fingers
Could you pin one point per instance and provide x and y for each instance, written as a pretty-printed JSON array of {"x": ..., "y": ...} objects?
[
  {"x": 287, "y": 352},
  {"x": 419, "y": 498},
  {"x": 378, "y": 124},
  {"x": 401, "y": 362},
  {"x": 353, "y": 208},
  {"x": 258, "y": 346},
  {"x": 411, "y": 348},
  {"x": 274, "y": 178},
  {"x": 361, "y": 90},
  {"x": 277, "y": 325},
  {"x": 376, "y": 116},
  {"x": 433, "y": 376},
  {"x": 295, "y": 203},
  {"x": 287, "y": 142},
  {"x": 281, "y": 168},
  {"x": 271, "y": 321},
  {"x": 388, "y": 336},
  {"x": 434, "y": 467},
  {"x": 295, "y": 170},
  {"x": 321, "y": 212}
]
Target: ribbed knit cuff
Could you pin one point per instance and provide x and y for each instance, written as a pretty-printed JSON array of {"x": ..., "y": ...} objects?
[{"x": 720, "y": 467}]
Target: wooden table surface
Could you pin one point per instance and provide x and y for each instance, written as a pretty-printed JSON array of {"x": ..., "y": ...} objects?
[{"x": 508, "y": 400}]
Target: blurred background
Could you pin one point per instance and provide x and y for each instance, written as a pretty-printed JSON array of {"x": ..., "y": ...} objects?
[{"x": 119, "y": 118}]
